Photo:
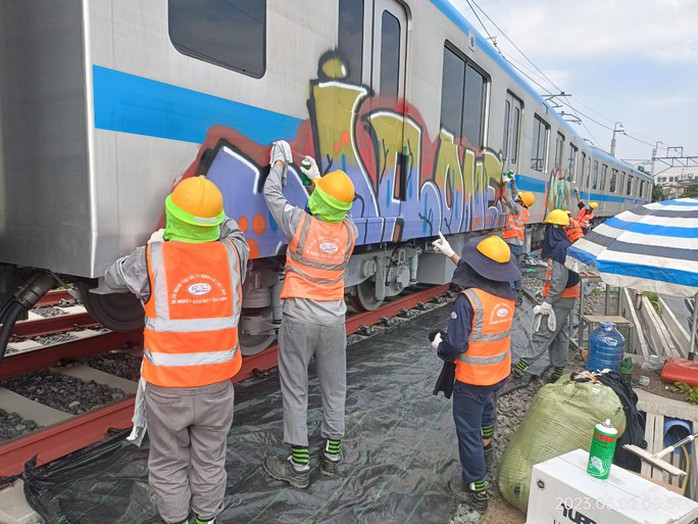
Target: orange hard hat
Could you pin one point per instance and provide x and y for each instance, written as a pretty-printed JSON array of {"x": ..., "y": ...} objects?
[
  {"x": 337, "y": 189},
  {"x": 196, "y": 200}
]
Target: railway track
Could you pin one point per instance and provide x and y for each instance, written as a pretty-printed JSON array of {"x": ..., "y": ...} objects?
[{"x": 60, "y": 431}]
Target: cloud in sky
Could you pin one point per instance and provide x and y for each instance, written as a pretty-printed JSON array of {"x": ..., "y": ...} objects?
[{"x": 634, "y": 61}]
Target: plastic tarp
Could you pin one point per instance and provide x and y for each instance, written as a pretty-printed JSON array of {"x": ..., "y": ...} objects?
[
  {"x": 561, "y": 419},
  {"x": 399, "y": 450}
]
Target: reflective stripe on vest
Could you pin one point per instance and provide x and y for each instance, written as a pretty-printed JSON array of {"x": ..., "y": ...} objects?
[
  {"x": 584, "y": 218},
  {"x": 190, "y": 335},
  {"x": 316, "y": 259},
  {"x": 488, "y": 358},
  {"x": 515, "y": 225},
  {"x": 574, "y": 231},
  {"x": 568, "y": 292}
]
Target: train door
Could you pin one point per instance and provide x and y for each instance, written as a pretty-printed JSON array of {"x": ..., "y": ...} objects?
[
  {"x": 393, "y": 137},
  {"x": 513, "y": 108}
]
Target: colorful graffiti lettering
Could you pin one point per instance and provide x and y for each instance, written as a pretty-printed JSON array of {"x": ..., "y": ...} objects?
[
  {"x": 559, "y": 191},
  {"x": 407, "y": 186}
]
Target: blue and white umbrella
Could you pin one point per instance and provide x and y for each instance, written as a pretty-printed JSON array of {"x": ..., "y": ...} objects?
[{"x": 649, "y": 248}]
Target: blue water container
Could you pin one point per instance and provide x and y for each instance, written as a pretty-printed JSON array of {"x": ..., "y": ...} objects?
[{"x": 606, "y": 347}]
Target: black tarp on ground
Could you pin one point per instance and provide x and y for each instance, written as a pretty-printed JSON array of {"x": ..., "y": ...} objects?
[{"x": 400, "y": 449}]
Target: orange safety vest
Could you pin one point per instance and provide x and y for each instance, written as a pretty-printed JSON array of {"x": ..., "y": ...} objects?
[
  {"x": 568, "y": 292},
  {"x": 584, "y": 218},
  {"x": 190, "y": 337},
  {"x": 316, "y": 259},
  {"x": 574, "y": 230},
  {"x": 488, "y": 358},
  {"x": 515, "y": 224}
]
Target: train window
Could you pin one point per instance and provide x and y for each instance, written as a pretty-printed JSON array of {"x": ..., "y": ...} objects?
[
  {"x": 559, "y": 148},
  {"x": 228, "y": 33},
  {"x": 572, "y": 165},
  {"x": 629, "y": 189},
  {"x": 595, "y": 178},
  {"x": 505, "y": 139},
  {"x": 351, "y": 36},
  {"x": 515, "y": 135},
  {"x": 604, "y": 172},
  {"x": 614, "y": 177},
  {"x": 540, "y": 141},
  {"x": 462, "y": 98},
  {"x": 585, "y": 170},
  {"x": 390, "y": 55}
]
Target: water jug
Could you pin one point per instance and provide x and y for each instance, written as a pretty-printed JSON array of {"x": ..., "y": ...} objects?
[{"x": 606, "y": 346}]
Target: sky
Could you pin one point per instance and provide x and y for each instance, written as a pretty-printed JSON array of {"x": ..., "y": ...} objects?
[{"x": 628, "y": 61}]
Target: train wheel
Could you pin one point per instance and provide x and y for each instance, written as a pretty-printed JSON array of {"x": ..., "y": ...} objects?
[
  {"x": 116, "y": 311},
  {"x": 365, "y": 297},
  {"x": 253, "y": 344}
]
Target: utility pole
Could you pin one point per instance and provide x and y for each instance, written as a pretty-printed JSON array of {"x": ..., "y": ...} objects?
[
  {"x": 617, "y": 128},
  {"x": 654, "y": 157}
]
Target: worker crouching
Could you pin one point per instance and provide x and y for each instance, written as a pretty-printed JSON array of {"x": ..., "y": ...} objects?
[
  {"x": 478, "y": 342},
  {"x": 321, "y": 240},
  {"x": 190, "y": 283}
]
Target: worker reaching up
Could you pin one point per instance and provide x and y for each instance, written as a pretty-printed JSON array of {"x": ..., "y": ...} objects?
[
  {"x": 321, "y": 240},
  {"x": 560, "y": 291},
  {"x": 189, "y": 278},
  {"x": 478, "y": 342},
  {"x": 586, "y": 212},
  {"x": 574, "y": 229},
  {"x": 518, "y": 204}
]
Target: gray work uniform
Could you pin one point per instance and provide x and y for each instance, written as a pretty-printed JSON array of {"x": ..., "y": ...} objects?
[
  {"x": 309, "y": 328},
  {"x": 187, "y": 427},
  {"x": 557, "y": 342},
  {"x": 515, "y": 245}
]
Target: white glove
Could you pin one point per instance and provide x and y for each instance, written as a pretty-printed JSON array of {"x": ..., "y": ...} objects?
[
  {"x": 552, "y": 321},
  {"x": 506, "y": 177},
  {"x": 442, "y": 246},
  {"x": 435, "y": 343},
  {"x": 311, "y": 172},
  {"x": 576, "y": 190},
  {"x": 280, "y": 150},
  {"x": 545, "y": 309},
  {"x": 157, "y": 236}
]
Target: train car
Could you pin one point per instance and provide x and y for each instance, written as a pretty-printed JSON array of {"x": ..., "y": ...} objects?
[{"x": 105, "y": 105}]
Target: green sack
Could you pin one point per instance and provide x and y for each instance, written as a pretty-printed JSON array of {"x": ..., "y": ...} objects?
[{"x": 561, "y": 419}]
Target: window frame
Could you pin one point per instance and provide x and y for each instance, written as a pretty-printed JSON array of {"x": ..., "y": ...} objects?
[
  {"x": 538, "y": 124},
  {"x": 340, "y": 49}
]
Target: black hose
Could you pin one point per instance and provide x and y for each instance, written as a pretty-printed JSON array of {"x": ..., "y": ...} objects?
[{"x": 12, "y": 315}]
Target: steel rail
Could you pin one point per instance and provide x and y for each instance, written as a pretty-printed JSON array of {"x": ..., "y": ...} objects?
[
  {"x": 53, "y": 325},
  {"x": 53, "y": 298},
  {"x": 66, "y": 437}
]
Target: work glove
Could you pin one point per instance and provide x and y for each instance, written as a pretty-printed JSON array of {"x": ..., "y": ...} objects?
[
  {"x": 157, "y": 236},
  {"x": 437, "y": 340},
  {"x": 280, "y": 150},
  {"x": 442, "y": 246},
  {"x": 576, "y": 191},
  {"x": 312, "y": 171},
  {"x": 507, "y": 177},
  {"x": 544, "y": 310}
]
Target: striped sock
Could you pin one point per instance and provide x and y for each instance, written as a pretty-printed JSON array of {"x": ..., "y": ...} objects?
[
  {"x": 487, "y": 431},
  {"x": 478, "y": 485},
  {"x": 558, "y": 371},
  {"x": 521, "y": 366},
  {"x": 333, "y": 446},
  {"x": 300, "y": 456}
]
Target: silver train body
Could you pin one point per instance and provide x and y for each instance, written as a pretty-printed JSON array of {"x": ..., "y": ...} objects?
[{"x": 105, "y": 104}]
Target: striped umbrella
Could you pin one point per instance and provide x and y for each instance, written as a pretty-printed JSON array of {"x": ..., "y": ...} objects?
[{"x": 649, "y": 248}]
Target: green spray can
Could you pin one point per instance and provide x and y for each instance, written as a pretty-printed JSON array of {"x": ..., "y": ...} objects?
[
  {"x": 305, "y": 164},
  {"x": 603, "y": 446}
]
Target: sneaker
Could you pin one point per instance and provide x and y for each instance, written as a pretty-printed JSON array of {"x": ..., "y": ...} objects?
[
  {"x": 286, "y": 471},
  {"x": 204, "y": 521},
  {"x": 330, "y": 464},
  {"x": 463, "y": 493},
  {"x": 549, "y": 376},
  {"x": 489, "y": 451}
]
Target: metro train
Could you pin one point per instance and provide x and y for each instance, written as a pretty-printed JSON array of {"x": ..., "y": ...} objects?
[{"x": 105, "y": 105}]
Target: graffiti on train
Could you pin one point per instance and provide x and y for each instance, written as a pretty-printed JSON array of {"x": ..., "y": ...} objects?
[
  {"x": 408, "y": 185},
  {"x": 559, "y": 191}
]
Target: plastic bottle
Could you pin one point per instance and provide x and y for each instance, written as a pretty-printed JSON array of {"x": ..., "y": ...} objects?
[
  {"x": 603, "y": 446},
  {"x": 606, "y": 347},
  {"x": 305, "y": 164}
]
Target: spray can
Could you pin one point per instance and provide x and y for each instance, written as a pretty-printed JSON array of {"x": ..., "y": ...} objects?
[
  {"x": 305, "y": 164},
  {"x": 603, "y": 446}
]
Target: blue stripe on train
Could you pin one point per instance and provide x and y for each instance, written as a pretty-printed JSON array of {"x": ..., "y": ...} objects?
[
  {"x": 132, "y": 104},
  {"x": 527, "y": 183}
]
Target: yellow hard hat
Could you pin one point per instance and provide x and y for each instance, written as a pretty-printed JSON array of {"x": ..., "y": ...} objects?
[
  {"x": 593, "y": 205},
  {"x": 527, "y": 198},
  {"x": 337, "y": 189},
  {"x": 495, "y": 249},
  {"x": 569, "y": 213},
  {"x": 196, "y": 200},
  {"x": 558, "y": 217}
]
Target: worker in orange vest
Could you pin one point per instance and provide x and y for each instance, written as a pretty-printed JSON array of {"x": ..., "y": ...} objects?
[
  {"x": 477, "y": 340},
  {"x": 189, "y": 278},
  {"x": 586, "y": 212},
  {"x": 518, "y": 204},
  {"x": 560, "y": 291},
  {"x": 321, "y": 240},
  {"x": 574, "y": 230}
]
